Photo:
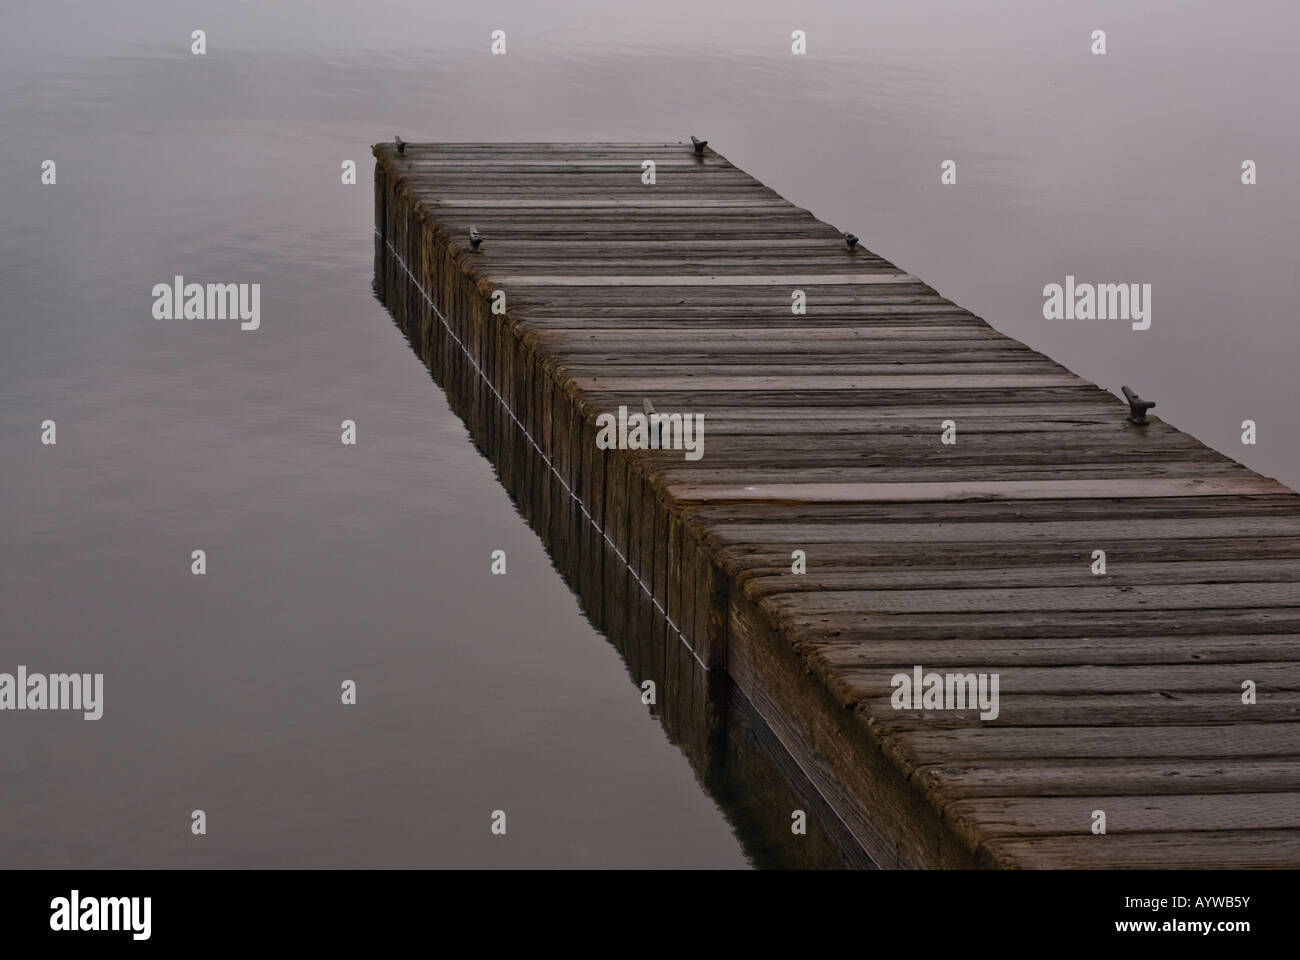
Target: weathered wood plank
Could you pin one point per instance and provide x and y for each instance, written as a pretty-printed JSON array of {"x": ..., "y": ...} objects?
[
  {"x": 1153, "y": 709},
  {"x": 1202, "y": 850},
  {"x": 838, "y": 660},
  {"x": 1082, "y": 596},
  {"x": 901, "y": 381},
  {"x": 1017, "y": 816},
  {"x": 714, "y": 280},
  {"x": 1226, "y": 741},
  {"x": 1009, "y": 531},
  {"x": 1036, "y": 778},
  {"x": 1081, "y": 681}
]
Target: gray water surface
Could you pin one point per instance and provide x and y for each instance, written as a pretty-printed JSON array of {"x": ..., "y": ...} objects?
[{"x": 370, "y": 563}]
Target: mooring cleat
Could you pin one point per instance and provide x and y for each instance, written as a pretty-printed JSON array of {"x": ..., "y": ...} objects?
[{"x": 1137, "y": 407}]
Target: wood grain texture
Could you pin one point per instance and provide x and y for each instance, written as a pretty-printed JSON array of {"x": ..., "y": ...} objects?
[{"x": 1119, "y": 691}]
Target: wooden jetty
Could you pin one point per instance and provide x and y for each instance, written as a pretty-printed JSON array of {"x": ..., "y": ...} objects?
[{"x": 1120, "y": 693}]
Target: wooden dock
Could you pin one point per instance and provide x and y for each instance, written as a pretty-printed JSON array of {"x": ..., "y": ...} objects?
[{"x": 1120, "y": 692}]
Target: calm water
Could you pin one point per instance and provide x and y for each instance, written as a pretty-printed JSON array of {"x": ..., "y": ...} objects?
[{"x": 370, "y": 563}]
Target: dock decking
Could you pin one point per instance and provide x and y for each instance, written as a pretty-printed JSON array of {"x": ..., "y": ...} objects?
[{"x": 1120, "y": 692}]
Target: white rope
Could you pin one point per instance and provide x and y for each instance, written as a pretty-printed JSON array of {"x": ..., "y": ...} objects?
[{"x": 540, "y": 452}]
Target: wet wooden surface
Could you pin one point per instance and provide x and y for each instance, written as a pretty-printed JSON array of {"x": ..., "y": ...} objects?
[{"x": 1120, "y": 692}]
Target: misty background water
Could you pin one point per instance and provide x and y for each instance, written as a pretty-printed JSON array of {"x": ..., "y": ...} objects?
[{"x": 370, "y": 563}]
